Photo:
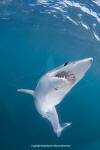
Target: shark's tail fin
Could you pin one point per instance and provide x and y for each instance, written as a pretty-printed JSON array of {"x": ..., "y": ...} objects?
[
  {"x": 31, "y": 92},
  {"x": 63, "y": 126}
]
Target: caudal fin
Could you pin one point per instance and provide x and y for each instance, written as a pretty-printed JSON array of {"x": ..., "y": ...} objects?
[
  {"x": 31, "y": 92},
  {"x": 63, "y": 126}
]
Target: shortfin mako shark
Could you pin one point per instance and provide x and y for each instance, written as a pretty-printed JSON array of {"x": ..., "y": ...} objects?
[{"x": 52, "y": 88}]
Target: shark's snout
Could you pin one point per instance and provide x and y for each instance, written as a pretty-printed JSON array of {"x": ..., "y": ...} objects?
[
  {"x": 91, "y": 60},
  {"x": 81, "y": 67}
]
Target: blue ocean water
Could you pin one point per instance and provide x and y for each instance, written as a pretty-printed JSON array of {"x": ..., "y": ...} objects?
[{"x": 35, "y": 37}]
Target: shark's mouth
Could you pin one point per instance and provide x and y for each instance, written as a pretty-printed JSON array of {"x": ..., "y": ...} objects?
[{"x": 66, "y": 75}]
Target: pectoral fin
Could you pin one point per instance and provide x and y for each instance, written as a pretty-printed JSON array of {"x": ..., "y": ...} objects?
[{"x": 31, "y": 92}]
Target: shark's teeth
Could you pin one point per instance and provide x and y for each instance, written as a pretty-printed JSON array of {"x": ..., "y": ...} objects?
[{"x": 66, "y": 75}]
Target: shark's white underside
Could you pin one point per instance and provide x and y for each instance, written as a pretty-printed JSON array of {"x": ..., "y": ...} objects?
[{"x": 53, "y": 86}]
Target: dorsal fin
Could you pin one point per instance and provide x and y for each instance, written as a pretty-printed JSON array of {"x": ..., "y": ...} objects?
[{"x": 31, "y": 92}]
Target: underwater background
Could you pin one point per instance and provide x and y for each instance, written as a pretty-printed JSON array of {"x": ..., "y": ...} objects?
[{"x": 36, "y": 36}]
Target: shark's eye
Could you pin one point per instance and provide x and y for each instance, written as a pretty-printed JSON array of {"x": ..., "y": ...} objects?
[{"x": 66, "y": 63}]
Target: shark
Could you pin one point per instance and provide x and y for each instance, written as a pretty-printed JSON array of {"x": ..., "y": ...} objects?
[{"x": 53, "y": 86}]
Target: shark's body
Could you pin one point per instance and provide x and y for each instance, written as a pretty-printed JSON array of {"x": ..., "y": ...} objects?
[{"x": 53, "y": 86}]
